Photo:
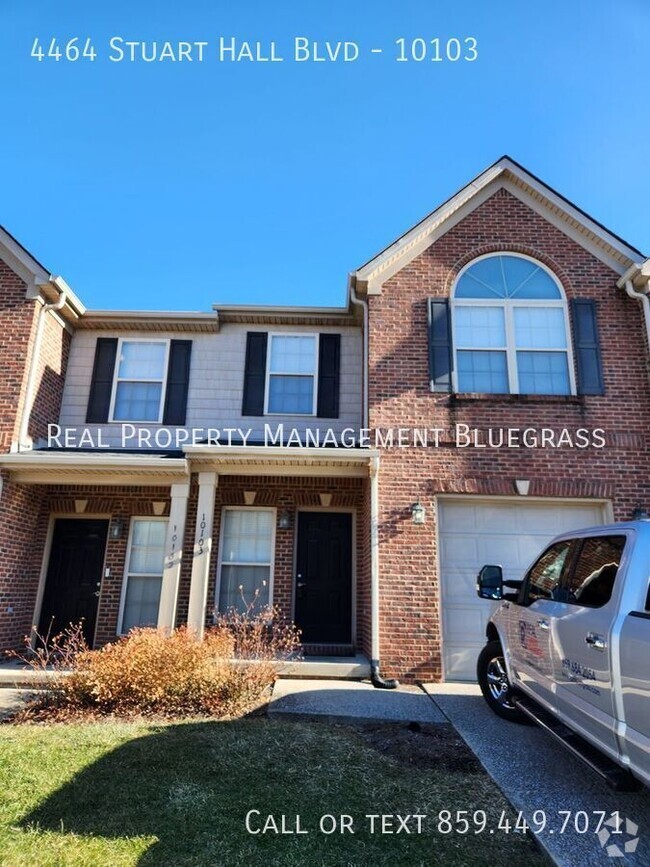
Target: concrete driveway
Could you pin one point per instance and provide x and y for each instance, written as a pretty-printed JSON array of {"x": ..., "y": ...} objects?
[{"x": 536, "y": 773}]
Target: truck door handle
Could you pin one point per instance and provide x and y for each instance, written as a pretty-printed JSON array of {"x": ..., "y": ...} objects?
[
  {"x": 596, "y": 642},
  {"x": 543, "y": 624}
]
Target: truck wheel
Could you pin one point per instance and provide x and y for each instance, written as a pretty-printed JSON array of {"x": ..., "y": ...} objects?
[{"x": 494, "y": 683}]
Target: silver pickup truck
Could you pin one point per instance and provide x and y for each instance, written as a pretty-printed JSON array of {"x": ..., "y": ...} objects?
[{"x": 569, "y": 647}]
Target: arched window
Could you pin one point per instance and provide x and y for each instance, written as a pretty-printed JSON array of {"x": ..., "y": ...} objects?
[{"x": 510, "y": 328}]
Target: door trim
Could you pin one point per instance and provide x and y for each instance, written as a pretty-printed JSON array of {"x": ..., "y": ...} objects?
[
  {"x": 607, "y": 512},
  {"x": 348, "y": 510},
  {"x": 45, "y": 561}
]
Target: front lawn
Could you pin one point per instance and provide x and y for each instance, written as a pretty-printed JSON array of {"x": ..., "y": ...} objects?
[{"x": 178, "y": 794}]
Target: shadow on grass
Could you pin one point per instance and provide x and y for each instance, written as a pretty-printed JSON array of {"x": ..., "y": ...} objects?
[{"x": 191, "y": 785}]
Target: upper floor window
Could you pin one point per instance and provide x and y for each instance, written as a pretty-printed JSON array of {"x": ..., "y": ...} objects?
[
  {"x": 510, "y": 328},
  {"x": 140, "y": 375},
  {"x": 291, "y": 375}
]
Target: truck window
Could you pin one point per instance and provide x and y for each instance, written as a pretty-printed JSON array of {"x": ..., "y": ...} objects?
[
  {"x": 543, "y": 579},
  {"x": 591, "y": 581}
]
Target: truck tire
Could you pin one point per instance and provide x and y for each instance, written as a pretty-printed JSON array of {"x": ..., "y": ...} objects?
[{"x": 494, "y": 683}]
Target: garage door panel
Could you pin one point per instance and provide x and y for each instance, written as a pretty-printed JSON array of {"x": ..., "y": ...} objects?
[
  {"x": 460, "y": 660},
  {"x": 458, "y": 618},
  {"x": 473, "y": 533}
]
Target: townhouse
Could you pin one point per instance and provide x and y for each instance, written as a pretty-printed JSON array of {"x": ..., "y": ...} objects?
[{"x": 159, "y": 467}]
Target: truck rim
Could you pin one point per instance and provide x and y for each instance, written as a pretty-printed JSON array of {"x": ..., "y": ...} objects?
[{"x": 498, "y": 684}]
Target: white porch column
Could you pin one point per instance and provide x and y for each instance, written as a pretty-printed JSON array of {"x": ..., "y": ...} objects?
[
  {"x": 202, "y": 549},
  {"x": 173, "y": 556}
]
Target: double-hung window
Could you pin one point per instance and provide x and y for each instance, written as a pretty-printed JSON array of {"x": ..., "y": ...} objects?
[
  {"x": 510, "y": 329},
  {"x": 292, "y": 370},
  {"x": 140, "y": 375},
  {"x": 246, "y": 562},
  {"x": 144, "y": 569}
]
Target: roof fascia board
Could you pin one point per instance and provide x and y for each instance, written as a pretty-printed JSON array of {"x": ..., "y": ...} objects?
[
  {"x": 419, "y": 244},
  {"x": 284, "y": 452},
  {"x": 420, "y": 230},
  {"x": 80, "y": 460},
  {"x": 503, "y": 173},
  {"x": 20, "y": 261},
  {"x": 570, "y": 230}
]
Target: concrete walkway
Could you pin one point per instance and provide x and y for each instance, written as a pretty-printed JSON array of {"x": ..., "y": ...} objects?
[
  {"x": 536, "y": 773},
  {"x": 11, "y": 700},
  {"x": 351, "y": 700}
]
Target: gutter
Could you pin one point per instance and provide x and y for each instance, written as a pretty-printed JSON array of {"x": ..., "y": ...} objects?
[{"x": 28, "y": 404}]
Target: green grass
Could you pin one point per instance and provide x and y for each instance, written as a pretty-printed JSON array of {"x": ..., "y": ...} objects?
[{"x": 177, "y": 794}]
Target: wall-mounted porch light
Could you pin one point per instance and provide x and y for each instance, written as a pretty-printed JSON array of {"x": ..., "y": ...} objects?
[
  {"x": 639, "y": 514},
  {"x": 284, "y": 522},
  {"x": 418, "y": 513},
  {"x": 117, "y": 528}
]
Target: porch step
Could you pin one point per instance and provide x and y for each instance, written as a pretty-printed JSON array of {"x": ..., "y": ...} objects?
[
  {"x": 16, "y": 676},
  {"x": 327, "y": 667}
]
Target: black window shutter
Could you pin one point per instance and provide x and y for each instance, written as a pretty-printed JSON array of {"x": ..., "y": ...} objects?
[
  {"x": 255, "y": 373},
  {"x": 101, "y": 385},
  {"x": 329, "y": 363},
  {"x": 587, "y": 347},
  {"x": 178, "y": 380},
  {"x": 440, "y": 354}
]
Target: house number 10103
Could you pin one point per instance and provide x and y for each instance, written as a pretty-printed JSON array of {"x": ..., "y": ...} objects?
[{"x": 437, "y": 50}]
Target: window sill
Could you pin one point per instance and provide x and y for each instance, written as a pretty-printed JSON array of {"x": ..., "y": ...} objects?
[{"x": 519, "y": 399}]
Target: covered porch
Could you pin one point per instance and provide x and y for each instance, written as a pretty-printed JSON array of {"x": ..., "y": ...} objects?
[{"x": 214, "y": 525}]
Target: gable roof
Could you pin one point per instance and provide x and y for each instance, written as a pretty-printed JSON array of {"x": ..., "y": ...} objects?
[{"x": 509, "y": 174}]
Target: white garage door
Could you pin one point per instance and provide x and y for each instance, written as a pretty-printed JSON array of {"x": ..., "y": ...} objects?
[{"x": 475, "y": 532}]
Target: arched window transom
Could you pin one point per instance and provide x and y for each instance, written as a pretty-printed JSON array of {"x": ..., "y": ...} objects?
[{"x": 510, "y": 328}]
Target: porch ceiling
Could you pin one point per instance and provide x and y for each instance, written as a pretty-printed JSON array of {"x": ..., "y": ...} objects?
[
  {"x": 281, "y": 461},
  {"x": 69, "y": 468}
]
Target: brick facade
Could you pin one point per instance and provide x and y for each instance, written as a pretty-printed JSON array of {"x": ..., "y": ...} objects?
[{"x": 400, "y": 397}]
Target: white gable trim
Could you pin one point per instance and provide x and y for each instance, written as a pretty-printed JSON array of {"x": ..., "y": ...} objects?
[
  {"x": 20, "y": 261},
  {"x": 540, "y": 198}
]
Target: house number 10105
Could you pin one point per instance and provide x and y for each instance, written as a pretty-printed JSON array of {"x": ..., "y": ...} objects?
[{"x": 437, "y": 50}]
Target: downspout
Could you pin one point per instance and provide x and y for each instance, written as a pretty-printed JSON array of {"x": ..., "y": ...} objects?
[
  {"x": 375, "y": 670},
  {"x": 645, "y": 302},
  {"x": 354, "y": 298},
  {"x": 375, "y": 673},
  {"x": 23, "y": 431}
]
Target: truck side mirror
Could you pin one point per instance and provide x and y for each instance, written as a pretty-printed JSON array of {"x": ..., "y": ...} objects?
[{"x": 489, "y": 584}]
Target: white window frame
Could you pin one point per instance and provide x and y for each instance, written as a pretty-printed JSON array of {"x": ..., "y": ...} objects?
[
  {"x": 314, "y": 375},
  {"x": 117, "y": 378},
  {"x": 508, "y": 306},
  {"x": 127, "y": 559},
  {"x": 220, "y": 561}
]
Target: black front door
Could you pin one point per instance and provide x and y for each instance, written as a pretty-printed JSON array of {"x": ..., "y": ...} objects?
[
  {"x": 324, "y": 577},
  {"x": 74, "y": 576}
]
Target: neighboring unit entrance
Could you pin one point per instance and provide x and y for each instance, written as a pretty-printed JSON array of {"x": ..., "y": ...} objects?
[
  {"x": 74, "y": 576},
  {"x": 473, "y": 532},
  {"x": 323, "y": 608}
]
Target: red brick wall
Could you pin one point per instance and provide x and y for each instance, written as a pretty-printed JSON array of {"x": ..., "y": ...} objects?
[
  {"x": 400, "y": 396},
  {"x": 28, "y": 509},
  {"x": 21, "y": 545},
  {"x": 50, "y": 377},
  {"x": 16, "y": 331}
]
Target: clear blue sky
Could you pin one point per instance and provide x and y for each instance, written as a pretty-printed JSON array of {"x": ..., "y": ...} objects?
[{"x": 173, "y": 186}]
